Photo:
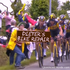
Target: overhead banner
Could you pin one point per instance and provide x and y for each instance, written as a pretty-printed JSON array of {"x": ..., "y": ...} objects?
[{"x": 33, "y": 36}]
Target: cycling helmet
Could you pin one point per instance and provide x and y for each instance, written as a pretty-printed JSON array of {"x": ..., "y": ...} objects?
[
  {"x": 41, "y": 18},
  {"x": 62, "y": 17},
  {"x": 52, "y": 16},
  {"x": 58, "y": 18}
]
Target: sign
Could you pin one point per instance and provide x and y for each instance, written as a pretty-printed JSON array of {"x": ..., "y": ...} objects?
[{"x": 33, "y": 36}]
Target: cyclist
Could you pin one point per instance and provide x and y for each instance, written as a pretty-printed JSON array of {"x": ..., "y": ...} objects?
[
  {"x": 62, "y": 23},
  {"x": 68, "y": 31},
  {"x": 58, "y": 18},
  {"x": 55, "y": 30},
  {"x": 40, "y": 25}
]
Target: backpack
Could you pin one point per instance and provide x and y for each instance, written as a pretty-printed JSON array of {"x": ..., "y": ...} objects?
[{"x": 9, "y": 31}]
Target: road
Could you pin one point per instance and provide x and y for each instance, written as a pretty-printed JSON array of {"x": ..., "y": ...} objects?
[{"x": 65, "y": 65}]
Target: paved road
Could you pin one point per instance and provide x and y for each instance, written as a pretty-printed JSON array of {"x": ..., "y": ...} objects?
[{"x": 65, "y": 65}]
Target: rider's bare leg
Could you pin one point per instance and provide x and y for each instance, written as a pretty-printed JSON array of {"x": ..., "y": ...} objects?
[{"x": 52, "y": 43}]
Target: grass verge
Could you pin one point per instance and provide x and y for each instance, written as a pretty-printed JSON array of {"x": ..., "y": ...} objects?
[{"x": 24, "y": 62}]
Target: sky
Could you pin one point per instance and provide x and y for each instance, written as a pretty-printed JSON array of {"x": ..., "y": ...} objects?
[
  {"x": 61, "y": 1},
  {"x": 8, "y": 3}
]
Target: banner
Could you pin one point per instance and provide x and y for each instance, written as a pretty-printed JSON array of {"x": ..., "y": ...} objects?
[
  {"x": 33, "y": 36},
  {"x": 30, "y": 20}
]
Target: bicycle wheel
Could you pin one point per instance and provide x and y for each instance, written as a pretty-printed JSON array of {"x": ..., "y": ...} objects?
[
  {"x": 67, "y": 52},
  {"x": 63, "y": 49},
  {"x": 55, "y": 57},
  {"x": 40, "y": 56}
]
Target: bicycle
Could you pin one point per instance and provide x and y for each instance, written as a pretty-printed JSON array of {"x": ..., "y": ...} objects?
[
  {"x": 62, "y": 48},
  {"x": 40, "y": 55},
  {"x": 67, "y": 49},
  {"x": 55, "y": 52}
]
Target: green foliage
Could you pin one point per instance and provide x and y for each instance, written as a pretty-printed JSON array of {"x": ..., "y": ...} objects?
[
  {"x": 61, "y": 12},
  {"x": 55, "y": 4},
  {"x": 3, "y": 28},
  {"x": 3, "y": 56},
  {"x": 24, "y": 62},
  {"x": 16, "y": 6},
  {"x": 66, "y": 6},
  {"x": 39, "y": 7}
]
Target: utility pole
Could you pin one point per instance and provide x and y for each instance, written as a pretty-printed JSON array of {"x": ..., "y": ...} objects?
[{"x": 49, "y": 7}]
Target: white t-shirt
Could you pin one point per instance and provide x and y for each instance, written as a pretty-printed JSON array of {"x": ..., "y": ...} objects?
[
  {"x": 3, "y": 37},
  {"x": 15, "y": 28},
  {"x": 1, "y": 20}
]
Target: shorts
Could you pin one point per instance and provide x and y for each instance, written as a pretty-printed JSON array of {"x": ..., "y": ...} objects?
[
  {"x": 54, "y": 33},
  {"x": 67, "y": 35}
]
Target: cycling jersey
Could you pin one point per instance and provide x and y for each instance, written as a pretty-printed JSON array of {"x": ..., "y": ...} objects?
[
  {"x": 54, "y": 29},
  {"x": 37, "y": 27},
  {"x": 67, "y": 32},
  {"x": 62, "y": 26}
]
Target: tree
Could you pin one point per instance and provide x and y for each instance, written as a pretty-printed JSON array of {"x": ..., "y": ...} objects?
[
  {"x": 27, "y": 7},
  {"x": 16, "y": 5},
  {"x": 39, "y": 7},
  {"x": 61, "y": 12},
  {"x": 66, "y": 6},
  {"x": 55, "y": 5}
]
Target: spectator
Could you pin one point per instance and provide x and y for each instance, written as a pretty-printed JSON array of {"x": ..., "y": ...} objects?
[
  {"x": 12, "y": 28},
  {"x": 14, "y": 46},
  {"x": 25, "y": 49},
  {"x": 1, "y": 20},
  {"x": 21, "y": 11},
  {"x": 20, "y": 16},
  {"x": 7, "y": 20}
]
